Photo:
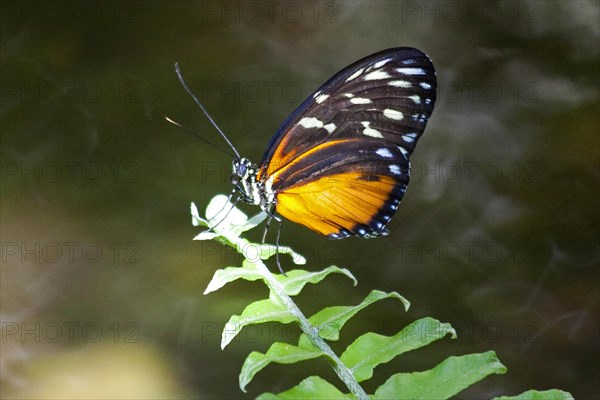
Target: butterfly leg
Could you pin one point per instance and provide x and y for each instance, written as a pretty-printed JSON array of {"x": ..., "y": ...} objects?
[
  {"x": 277, "y": 245},
  {"x": 264, "y": 236},
  {"x": 272, "y": 217}
]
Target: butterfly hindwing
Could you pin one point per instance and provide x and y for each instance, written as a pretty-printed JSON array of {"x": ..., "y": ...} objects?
[
  {"x": 343, "y": 187},
  {"x": 339, "y": 164}
]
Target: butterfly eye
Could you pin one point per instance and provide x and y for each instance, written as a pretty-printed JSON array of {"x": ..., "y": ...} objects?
[{"x": 241, "y": 170}]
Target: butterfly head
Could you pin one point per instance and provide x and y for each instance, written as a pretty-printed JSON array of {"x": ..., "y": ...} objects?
[
  {"x": 243, "y": 170},
  {"x": 244, "y": 178}
]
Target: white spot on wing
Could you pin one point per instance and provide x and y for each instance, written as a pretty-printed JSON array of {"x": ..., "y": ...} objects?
[
  {"x": 349, "y": 95},
  {"x": 425, "y": 85},
  {"x": 370, "y": 131},
  {"x": 409, "y": 137},
  {"x": 393, "y": 114},
  {"x": 411, "y": 71},
  {"x": 310, "y": 122},
  {"x": 360, "y": 100},
  {"x": 383, "y": 152},
  {"x": 378, "y": 74},
  {"x": 395, "y": 169},
  {"x": 403, "y": 151},
  {"x": 415, "y": 98},
  {"x": 321, "y": 98},
  {"x": 355, "y": 75},
  {"x": 329, "y": 127},
  {"x": 404, "y": 84},
  {"x": 381, "y": 63}
]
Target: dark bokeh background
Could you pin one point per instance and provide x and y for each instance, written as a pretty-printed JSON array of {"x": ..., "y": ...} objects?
[{"x": 101, "y": 281}]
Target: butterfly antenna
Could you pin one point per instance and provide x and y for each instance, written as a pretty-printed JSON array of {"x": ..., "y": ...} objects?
[
  {"x": 185, "y": 128},
  {"x": 204, "y": 110}
]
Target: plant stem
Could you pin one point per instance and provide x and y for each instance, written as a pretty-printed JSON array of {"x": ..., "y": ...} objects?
[{"x": 339, "y": 367}]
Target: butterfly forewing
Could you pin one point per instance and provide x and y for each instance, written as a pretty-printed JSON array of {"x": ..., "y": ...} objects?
[
  {"x": 339, "y": 164},
  {"x": 388, "y": 95}
]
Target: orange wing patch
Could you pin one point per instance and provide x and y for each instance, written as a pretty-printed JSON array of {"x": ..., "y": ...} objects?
[
  {"x": 285, "y": 158},
  {"x": 284, "y": 154},
  {"x": 337, "y": 202}
]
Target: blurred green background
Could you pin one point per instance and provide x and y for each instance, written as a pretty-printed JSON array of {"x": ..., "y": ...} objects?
[{"x": 101, "y": 281}]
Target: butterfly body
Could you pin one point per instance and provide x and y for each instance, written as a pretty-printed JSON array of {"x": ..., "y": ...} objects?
[
  {"x": 251, "y": 190},
  {"x": 339, "y": 164}
]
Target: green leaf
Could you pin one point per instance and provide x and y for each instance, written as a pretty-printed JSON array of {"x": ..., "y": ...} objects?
[
  {"x": 311, "y": 388},
  {"x": 372, "y": 349},
  {"x": 293, "y": 283},
  {"x": 197, "y": 220},
  {"x": 227, "y": 223},
  {"x": 553, "y": 394},
  {"x": 330, "y": 320},
  {"x": 281, "y": 353},
  {"x": 297, "y": 279},
  {"x": 269, "y": 250},
  {"x": 305, "y": 343},
  {"x": 256, "y": 313},
  {"x": 446, "y": 379},
  {"x": 222, "y": 215},
  {"x": 230, "y": 274}
]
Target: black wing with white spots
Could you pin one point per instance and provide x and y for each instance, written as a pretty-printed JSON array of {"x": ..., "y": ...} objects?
[
  {"x": 340, "y": 163},
  {"x": 387, "y": 96}
]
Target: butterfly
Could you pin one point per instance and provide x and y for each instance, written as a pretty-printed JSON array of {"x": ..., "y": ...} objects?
[{"x": 339, "y": 164}]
